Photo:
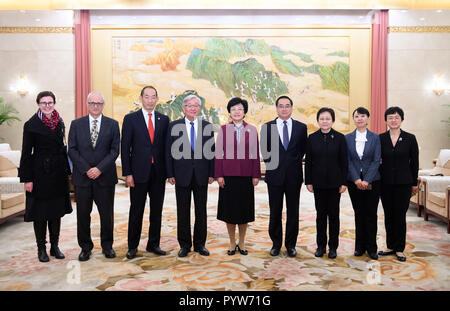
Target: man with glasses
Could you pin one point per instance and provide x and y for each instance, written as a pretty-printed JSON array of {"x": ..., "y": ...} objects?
[
  {"x": 286, "y": 179},
  {"x": 93, "y": 148},
  {"x": 143, "y": 166},
  {"x": 190, "y": 169}
]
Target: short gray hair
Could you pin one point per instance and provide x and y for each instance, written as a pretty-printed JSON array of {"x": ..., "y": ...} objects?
[
  {"x": 192, "y": 96},
  {"x": 92, "y": 93}
]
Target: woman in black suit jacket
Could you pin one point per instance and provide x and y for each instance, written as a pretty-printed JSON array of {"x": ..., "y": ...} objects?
[
  {"x": 399, "y": 169},
  {"x": 325, "y": 174},
  {"x": 45, "y": 170}
]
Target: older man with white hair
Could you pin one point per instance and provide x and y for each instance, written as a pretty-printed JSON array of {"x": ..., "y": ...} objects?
[
  {"x": 93, "y": 148},
  {"x": 190, "y": 167}
]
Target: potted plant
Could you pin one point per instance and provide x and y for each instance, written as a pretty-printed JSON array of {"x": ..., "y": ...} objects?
[{"x": 7, "y": 113}]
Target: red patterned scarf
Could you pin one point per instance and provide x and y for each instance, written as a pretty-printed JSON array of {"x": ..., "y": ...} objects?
[{"x": 52, "y": 122}]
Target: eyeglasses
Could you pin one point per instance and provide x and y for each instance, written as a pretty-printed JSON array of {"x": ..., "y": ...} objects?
[
  {"x": 237, "y": 109},
  {"x": 284, "y": 107},
  {"x": 95, "y": 104},
  {"x": 46, "y": 103},
  {"x": 192, "y": 106}
]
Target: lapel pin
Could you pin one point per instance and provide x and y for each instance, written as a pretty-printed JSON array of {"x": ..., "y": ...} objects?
[
  {"x": 400, "y": 139},
  {"x": 332, "y": 136}
]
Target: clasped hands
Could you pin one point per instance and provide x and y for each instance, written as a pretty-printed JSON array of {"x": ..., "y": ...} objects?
[{"x": 93, "y": 173}]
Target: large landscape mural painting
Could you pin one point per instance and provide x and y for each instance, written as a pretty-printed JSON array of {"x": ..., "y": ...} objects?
[{"x": 313, "y": 71}]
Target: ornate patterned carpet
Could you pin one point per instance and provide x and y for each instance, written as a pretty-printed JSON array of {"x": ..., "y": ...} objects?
[{"x": 427, "y": 266}]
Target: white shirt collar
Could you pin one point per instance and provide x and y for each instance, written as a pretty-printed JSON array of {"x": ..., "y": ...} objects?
[
  {"x": 91, "y": 118},
  {"x": 280, "y": 121},
  {"x": 361, "y": 136}
]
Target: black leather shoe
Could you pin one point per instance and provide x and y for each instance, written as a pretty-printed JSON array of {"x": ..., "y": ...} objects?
[
  {"x": 55, "y": 252},
  {"x": 109, "y": 253},
  {"x": 332, "y": 254},
  {"x": 274, "y": 251},
  {"x": 242, "y": 251},
  {"x": 319, "y": 252},
  {"x": 42, "y": 255},
  {"x": 155, "y": 250},
  {"x": 202, "y": 251},
  {"x": 401, "y": 257},
  {"x": 291, "y": 252},
  {"x": 231, "y": 252},
  {"x": 183, "y": 252},
  {"x": 84, "y": 255},
  {"x": 387, "y": 253},
  {"x": 131, "y": 253},
  {"x": 358, "y": 253},
  {"x": 373, "y": 255}
]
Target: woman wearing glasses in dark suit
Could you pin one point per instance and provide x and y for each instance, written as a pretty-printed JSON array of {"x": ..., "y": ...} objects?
[
  {"x": 45, "y": 170},
  {"x": 399, "y": 169},
  {"x": 363, "y": 181}
]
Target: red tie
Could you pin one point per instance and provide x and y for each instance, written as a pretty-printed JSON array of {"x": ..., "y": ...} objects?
[{"x": 151, "y": 130}]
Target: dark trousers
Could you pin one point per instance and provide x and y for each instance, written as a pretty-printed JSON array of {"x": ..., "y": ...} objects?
[
  {"x": 365, "y": 206},
  {"x": 395, "y": 200},
  {"x": 40, "y": 231},
  {"x": 327, "y": 207},
  {"x": 183, "y": 195},
  {"x": 104, "y": 199},
  {"x": 155, "y": 189},
  {"x": 276, "y": 194}
]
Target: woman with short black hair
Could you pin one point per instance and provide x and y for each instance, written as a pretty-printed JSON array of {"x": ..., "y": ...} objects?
[
  {"x": 325, "y": 175},
  {"x": 399, "y": 171},
  {"x": 363, "y": 181},
  {"x": 238, "y": 170}
]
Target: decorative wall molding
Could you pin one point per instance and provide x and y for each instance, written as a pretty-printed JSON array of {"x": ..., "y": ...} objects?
[
  {"x": 419, "y": 29},
  {"x": 63, "y": 30}
]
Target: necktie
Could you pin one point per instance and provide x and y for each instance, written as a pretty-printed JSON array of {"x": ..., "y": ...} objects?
[
  {"x": 151, "y": 131},
  {"x": 94, "y": 133},
  {"x": 285, "y": 136},
  {"x": 192, "y": 136}
]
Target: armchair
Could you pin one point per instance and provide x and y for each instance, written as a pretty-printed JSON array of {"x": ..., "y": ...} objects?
[
  {"x": 437, "y": 191},
  {"x": 12, "y": 194}
]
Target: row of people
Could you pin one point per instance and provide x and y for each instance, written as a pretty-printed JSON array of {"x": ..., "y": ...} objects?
[{"x": 154, "y": 149}]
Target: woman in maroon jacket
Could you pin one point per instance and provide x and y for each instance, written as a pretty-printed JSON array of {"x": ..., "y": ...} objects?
[{"x": 237, "y": 169}]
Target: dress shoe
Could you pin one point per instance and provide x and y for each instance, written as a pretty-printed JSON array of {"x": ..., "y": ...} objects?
[
  {"x": 55, "y": 252},
  {"x": 319, "y": 252},
  {"x": 155, "y": 250},
  {"x": 358, "y": 253},
  {"x": 84, "y": 255},
  {"x": 274, "y": 251},
  {"x": 373, "y": 255},
  {"x": 291, "y": 252},
  {"x": 183, "y": 252},
  {"x": 231, "y": 252},
  {"x": 242, "y": 251},
  {"x": 386, "y": 253},
  {"x": 42, "y": 255},
  {"x": 131, "y": 253},
  {"x": 332, "y": 254},
  {"x": 400, "y": 257},
  {"x": 202, "y": 251},
  {"x": 109, "y": 253}
]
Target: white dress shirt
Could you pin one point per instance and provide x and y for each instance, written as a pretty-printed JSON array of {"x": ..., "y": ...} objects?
[
  {"x": 360, "y": 140},
  {"x": 280, "y": 125},
  {"x": 188, "y": 127},
  {"x": 145, "y": 113}
]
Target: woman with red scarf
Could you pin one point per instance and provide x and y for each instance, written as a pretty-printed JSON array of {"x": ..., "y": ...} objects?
[{"x": 44, "y": 169}]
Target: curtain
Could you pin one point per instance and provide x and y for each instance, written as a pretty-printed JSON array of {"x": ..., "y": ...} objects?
[
  {"x": 378, "y": 103},
  {"x": 82, "y": 61}
]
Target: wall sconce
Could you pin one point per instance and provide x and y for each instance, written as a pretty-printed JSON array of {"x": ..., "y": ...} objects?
[
  {"x": 439, "y": 85},
  {"x": 22, "y": 86}
]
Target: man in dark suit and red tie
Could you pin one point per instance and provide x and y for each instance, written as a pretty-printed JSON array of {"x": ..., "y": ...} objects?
[
  {"x": 286, "y": 178},
  {"x": 143, "y": 165},
  {"x": 93, "y": 148},
  {"x": 190, "y": 167}
]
